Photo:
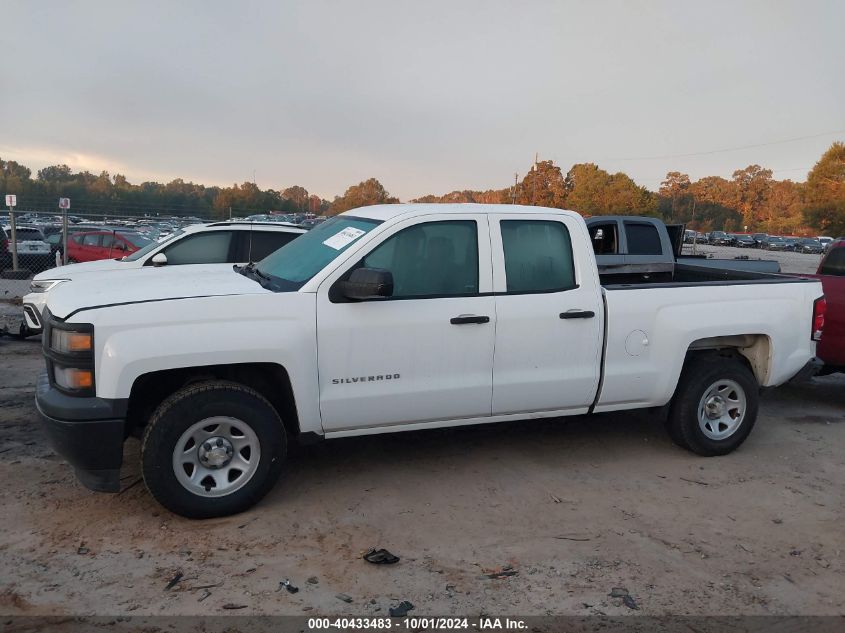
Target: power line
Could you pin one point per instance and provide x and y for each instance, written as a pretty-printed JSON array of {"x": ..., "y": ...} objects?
[{"x": 728, "y": 149}]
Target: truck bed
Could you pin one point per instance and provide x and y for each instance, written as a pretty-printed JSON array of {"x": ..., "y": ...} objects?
[{"x": 691, "y": 275}]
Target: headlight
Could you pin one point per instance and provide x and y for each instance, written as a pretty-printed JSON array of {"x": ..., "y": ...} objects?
[
  {"x": 69, "y": 352},
  {"x": 70, "y": 342},
  {"x": 44, "y": 285}
]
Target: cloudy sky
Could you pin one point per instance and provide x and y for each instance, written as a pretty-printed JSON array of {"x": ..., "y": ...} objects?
[{"x": 426, "y": 96}]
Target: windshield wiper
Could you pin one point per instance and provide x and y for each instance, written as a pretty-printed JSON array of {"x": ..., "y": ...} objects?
[{"x": 253, "y": 273}]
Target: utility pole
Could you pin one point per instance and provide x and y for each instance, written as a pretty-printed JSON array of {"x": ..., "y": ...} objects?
[
  {"x": 691, "y": 220},
  {"x": 515, "y": 184}
]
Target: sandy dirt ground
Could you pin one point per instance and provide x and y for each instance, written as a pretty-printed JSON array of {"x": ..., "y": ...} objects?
[{"x": 569, "y": 508}]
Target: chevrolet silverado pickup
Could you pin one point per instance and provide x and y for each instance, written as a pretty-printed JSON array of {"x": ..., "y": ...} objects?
[{"x": 396, "y": 318}]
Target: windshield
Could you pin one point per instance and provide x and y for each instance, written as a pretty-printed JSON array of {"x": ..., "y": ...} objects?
[
  {"x": 136, "y": 239},
  {"x": 775, "y": 239},
  {"x": 296, "y": 262},
  {"x": 151, "y": 247}
]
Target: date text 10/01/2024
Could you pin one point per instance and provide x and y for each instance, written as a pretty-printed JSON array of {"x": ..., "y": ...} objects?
[{"x": 415, "y": 623}]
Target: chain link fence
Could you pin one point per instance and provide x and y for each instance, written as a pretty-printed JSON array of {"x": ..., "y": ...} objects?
[{"x": 34, "y": 241}]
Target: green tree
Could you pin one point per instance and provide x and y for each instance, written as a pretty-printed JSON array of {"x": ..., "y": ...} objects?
[
  {"x": 675, "y": 189},
  {"x": 825, "y": 192}
]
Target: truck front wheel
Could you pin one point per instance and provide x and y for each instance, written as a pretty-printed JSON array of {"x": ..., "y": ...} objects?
[
  {"x": 715, "y": 405},
  {"x": 212, "y": 449}
]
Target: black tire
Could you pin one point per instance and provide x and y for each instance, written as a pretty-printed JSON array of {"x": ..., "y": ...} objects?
[
  {"x": 23, "y": 331},
  {"x": 699, "y": 374},
  {"x": 180, "y": 412}
]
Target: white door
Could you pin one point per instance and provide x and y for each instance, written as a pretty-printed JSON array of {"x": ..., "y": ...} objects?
[
  {"x": 549, "y": 314},
  {"x": 424, "y": 354}
]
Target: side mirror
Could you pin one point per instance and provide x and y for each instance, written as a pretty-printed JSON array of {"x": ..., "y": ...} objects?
[
  {"x": 159, "y": 259},
  {"x": 368, "y": 283}
]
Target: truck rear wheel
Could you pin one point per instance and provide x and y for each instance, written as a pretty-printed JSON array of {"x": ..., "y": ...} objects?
[
  {"x": 212, "y": 449},
  {"x": 715, "y": 405}
]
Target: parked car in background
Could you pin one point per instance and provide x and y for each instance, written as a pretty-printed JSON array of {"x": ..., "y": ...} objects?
[
  {"x": 773, "y": 243},
  {"x": 758, "y": 239},
  {"x": 700, "y": 238},
  {"x": 809, "y": 245},
  {"x": 33, "y": 251},
  {"x": 90, "y": 246},
  {"x": 831, "y": 272},
  {"x": 689, "y": 236},
  {"x": 744, "y": 241},
  {"x": 217, "y": 243},
  {"x": 825, "y": 241},
  {"x": 790, "y": 243},
  {"x": 719, "y": 238}
]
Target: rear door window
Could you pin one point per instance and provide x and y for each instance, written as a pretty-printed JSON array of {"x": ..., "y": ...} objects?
[
  {"x": 643, "y": 239},
  {"x": 92, "y": 239},
  {"x": 538, "y": 256},
  {"x": 213, "y": 247}
]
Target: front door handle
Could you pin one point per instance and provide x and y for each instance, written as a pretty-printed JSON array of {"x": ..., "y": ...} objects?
[
  {"x": 577, "y": 314},
  {"x": 469, "y": 318}
]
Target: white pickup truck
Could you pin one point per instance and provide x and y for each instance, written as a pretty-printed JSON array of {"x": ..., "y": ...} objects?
[{"x": 396, "y": 318}]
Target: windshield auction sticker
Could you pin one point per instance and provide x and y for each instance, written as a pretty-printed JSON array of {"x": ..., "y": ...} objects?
[{"x": 343, "y": 238}]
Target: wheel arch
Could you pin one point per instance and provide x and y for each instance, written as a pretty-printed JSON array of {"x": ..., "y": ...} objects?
[
  {"x": 754, "y": 350},
  {"x": 270, "y": 380}
]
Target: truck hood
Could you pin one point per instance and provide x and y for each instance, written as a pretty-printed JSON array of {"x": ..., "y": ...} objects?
[
  {"x": 146, "y": 284},
  {"x": 72, "y": 270}
]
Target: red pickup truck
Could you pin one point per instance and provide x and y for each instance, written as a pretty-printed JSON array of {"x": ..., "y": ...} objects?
[{"x": 831, "y": 272}]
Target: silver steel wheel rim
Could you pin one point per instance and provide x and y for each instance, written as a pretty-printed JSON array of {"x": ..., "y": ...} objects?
[
  {"x": 721, "y": 409},
  {"x": 216, "y": 456}
]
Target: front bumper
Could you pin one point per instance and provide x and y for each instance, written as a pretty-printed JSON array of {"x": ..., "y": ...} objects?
[
  {"x": 811, "y": 368},
  {"x": 88, "y": 432}
]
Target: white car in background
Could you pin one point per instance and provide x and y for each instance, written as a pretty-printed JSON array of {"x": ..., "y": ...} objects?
[
  {"x": 215, "y": 243},
  {"x": 33, "y": 250}
]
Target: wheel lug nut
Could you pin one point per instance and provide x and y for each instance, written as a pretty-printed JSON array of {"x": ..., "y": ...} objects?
[
  {"x": 219, "y": 442},
  {"x": 207, "y": 446}
]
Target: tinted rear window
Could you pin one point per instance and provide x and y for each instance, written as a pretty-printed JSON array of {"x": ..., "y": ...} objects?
[
  {"x": 643, "y": 239},
  {"x": 27, "y": 234},
  {"x": 266, "y": 242}
]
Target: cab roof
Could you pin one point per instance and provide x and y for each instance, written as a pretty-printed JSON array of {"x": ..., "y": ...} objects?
[{"x": 385, "y": 212}]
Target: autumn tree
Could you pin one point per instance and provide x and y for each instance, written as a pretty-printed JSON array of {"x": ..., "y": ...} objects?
[
  {"x": 361, "y": 195},
  {"x": 298, "y": 196},
  {"x": 543, "y": 186},
  {"x": 752, "y": 191},
  {"x": 593, "y": 191}
]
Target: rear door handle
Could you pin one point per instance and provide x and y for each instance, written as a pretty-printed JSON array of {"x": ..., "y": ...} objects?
[
  {"x": 469, "y": 318},
  {"x": 577, "y": 314}
]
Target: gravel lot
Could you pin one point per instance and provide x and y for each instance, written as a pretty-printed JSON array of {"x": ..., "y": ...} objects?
[
  {"x": 574, "y": 506},
  {"x": 798, "y": 263}
]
